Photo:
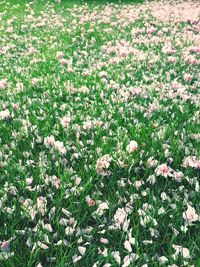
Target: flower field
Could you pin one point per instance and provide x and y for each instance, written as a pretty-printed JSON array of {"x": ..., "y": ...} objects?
[{"x": 99, "y": 134}]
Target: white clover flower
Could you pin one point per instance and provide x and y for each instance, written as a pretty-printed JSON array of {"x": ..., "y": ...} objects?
[
  {"x": 65, "y": 121},
  {"x": 127, "y": 246},
  {"x": 60, "y": 147},
  {"x": 163, "y": 260},
  {"x": 82, "y": 250},
  {"x": 132, "y": 146},
  {"x": 3, "y": 84},
  {"x": 49, "y": 140},
  {"x": 101, "y": 208},
  {"x": 116, "y": 256},
  {"x": 163, "y": 170},
  {"x": 5, "y": 114},
  {"x": 103, "y": 164},
  {"x": 190, "y": 215},
  {"x": 121, "y": 219},
  {"x": 181, "y": 250}
]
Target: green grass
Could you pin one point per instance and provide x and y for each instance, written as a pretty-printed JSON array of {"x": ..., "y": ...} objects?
[{"x": 115, "y": 83}]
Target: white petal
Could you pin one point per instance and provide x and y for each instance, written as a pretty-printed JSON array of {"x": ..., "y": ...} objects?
[
  {"x": 82, "y": 250},
  {"x": 127, "y": 246}
]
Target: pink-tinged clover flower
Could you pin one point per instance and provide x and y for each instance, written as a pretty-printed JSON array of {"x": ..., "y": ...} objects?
[
  {"x": 60, "y": 147},
  {"x": 177, "y": 176},
  {"x": 116, "y": 256},
  {"x": 103, "y": 164},
  {"x": 31, "y": 51},
  {"x": 5, "y": 246},
  {"x": 163, "y": 170},
  {"x": 191, "y": 60},
  {"x": 49, "y": 140},
  {"x": 135, "y": 91},
  {"x": 190, "y": 215},
  {"x": 132, "y": 146},
  {"x": 192, "y": 162},
  {"x": 181, "y": 250},
  {"x": 90, "y": 201},
  {"x": 15, "y": 106},
  {"x": 87, "y": 125},
  {"x": 41, "y": 205},
  {"x": 104, "y": 241},
  {"x": 59, "y": 54},
  {"x": 187, "y": 77},
  {"x": 121, "y": 219},
  {"x": 35, "y": 81},
  {"x": 3, "y": 84},
  {"x": 65, "y": 121},
  {"x": 151, "y": 30},
  {"x": 195, "y": 49},
  {"x": 5, "y": 114},
  {"x": 167, "y": 49}
]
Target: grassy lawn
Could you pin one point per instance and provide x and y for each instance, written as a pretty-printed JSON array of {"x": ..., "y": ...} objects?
[{"x": 99, "y": 133}]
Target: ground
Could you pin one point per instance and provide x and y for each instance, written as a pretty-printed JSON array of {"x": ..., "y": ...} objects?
[{"x": 99, "y": 134}]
